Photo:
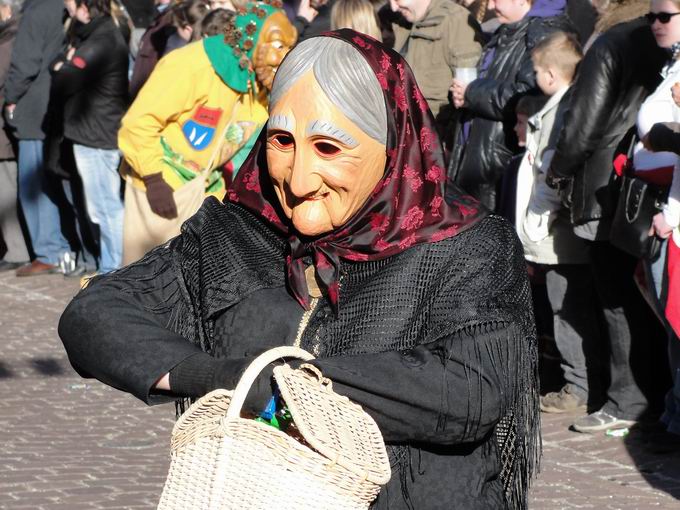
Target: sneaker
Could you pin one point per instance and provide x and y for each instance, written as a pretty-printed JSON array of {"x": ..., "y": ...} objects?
[
  {"x": 599, "y": 421},
  {"x": 562, "y": 401},
  {"x": 67, "y": 263}
]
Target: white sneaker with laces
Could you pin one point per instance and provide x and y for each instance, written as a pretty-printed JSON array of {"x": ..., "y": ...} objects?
[{"x": 599, "y": 421}]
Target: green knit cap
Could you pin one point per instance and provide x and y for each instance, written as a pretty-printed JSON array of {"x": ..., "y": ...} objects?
[{"x": 231, "y": 54}]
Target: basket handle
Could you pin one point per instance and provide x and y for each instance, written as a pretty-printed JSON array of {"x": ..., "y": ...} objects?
[
  {"x": 254, "y": 369},
  {"x": 323, "y": 381}
]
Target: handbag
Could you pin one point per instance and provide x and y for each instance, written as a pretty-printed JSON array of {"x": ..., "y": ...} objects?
[
  {"x": 638, "y": 202},
  {"x": 335, "y": 459},
  {"x": 143, "y": 229}
]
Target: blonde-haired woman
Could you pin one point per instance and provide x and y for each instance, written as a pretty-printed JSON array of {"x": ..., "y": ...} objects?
[{"x": 358, "y": 15}]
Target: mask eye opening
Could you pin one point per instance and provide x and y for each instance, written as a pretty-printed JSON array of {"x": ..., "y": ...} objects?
[
  {"x": 282, "y": 141},
  {"x": 326, "y": 149}
]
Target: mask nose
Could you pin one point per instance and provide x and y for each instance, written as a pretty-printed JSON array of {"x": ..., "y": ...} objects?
[{"x": 304, "y": 182}]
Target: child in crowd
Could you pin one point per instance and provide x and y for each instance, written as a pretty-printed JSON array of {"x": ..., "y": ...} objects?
[
  {"x": 545, "y": 230},
  {"x": 525, "y": 108}
]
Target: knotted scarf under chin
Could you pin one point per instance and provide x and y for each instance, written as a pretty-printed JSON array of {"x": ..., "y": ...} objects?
[{"x": 326, "y": 263}]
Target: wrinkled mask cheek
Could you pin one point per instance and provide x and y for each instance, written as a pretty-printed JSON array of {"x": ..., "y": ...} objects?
[
  {"x": 362, "y": 188},
  {"x": 372, "y": 180}
]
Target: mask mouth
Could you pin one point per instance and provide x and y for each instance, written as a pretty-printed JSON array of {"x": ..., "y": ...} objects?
[
  {"x": 317, "y": 198},
  {"x": 292, "y": 201}
]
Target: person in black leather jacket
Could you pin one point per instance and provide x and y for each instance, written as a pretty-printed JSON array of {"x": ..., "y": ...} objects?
[
  {"x": 617, "y": 73},
  {"x": 485, "y": 142},
  {"x": 620, "y": 69},
  {"x": 91, "y": 83}
]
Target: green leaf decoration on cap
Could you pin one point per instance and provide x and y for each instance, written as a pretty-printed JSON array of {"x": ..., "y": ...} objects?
[{"x": 231, "y": 54}]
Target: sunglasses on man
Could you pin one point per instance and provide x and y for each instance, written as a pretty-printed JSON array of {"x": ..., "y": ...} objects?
[{"x": 663, "y": 17}]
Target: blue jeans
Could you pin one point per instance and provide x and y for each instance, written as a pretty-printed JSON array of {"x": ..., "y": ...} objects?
[
  {"x": 98, "y": 169},
  {"x": 39, "y": 202}
]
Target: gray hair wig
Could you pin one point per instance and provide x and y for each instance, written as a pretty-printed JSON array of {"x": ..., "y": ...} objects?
[
  {"x": 15, "y": 5},
  {"x": 344, "y": 76}
]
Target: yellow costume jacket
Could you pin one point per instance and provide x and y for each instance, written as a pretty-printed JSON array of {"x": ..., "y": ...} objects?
[{"x": 179, "y": 116}]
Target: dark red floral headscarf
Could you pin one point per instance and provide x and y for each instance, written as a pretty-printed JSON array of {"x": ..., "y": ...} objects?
[{"x": 407, "y": 206}]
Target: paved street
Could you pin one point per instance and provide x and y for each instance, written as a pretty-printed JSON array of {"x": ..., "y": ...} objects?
[{"x": 69, "y": 443}]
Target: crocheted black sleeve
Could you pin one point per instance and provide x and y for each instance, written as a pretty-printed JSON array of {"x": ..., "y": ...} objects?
[
  {"x": 116, "y": 329},
  {"x": 447, "y": 392}
]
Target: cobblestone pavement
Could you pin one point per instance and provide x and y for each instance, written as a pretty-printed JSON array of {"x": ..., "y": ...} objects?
[{"x": 69, "y": 443}]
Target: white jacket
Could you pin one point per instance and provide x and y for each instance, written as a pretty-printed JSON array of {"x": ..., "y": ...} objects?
[
  {"x": 660, "y": 107},
  {"x": 542, "y": 222}
]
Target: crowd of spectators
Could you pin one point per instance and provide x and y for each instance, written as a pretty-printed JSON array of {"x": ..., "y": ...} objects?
[{"x": 551, "y": 112}]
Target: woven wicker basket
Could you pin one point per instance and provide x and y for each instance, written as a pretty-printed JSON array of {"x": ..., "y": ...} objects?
[{"x": 221, "y": 461}]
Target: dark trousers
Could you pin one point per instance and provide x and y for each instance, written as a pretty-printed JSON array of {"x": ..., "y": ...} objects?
[
  {"x": 576, "y": 325},
  {"x": 629, "y": 327}
]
